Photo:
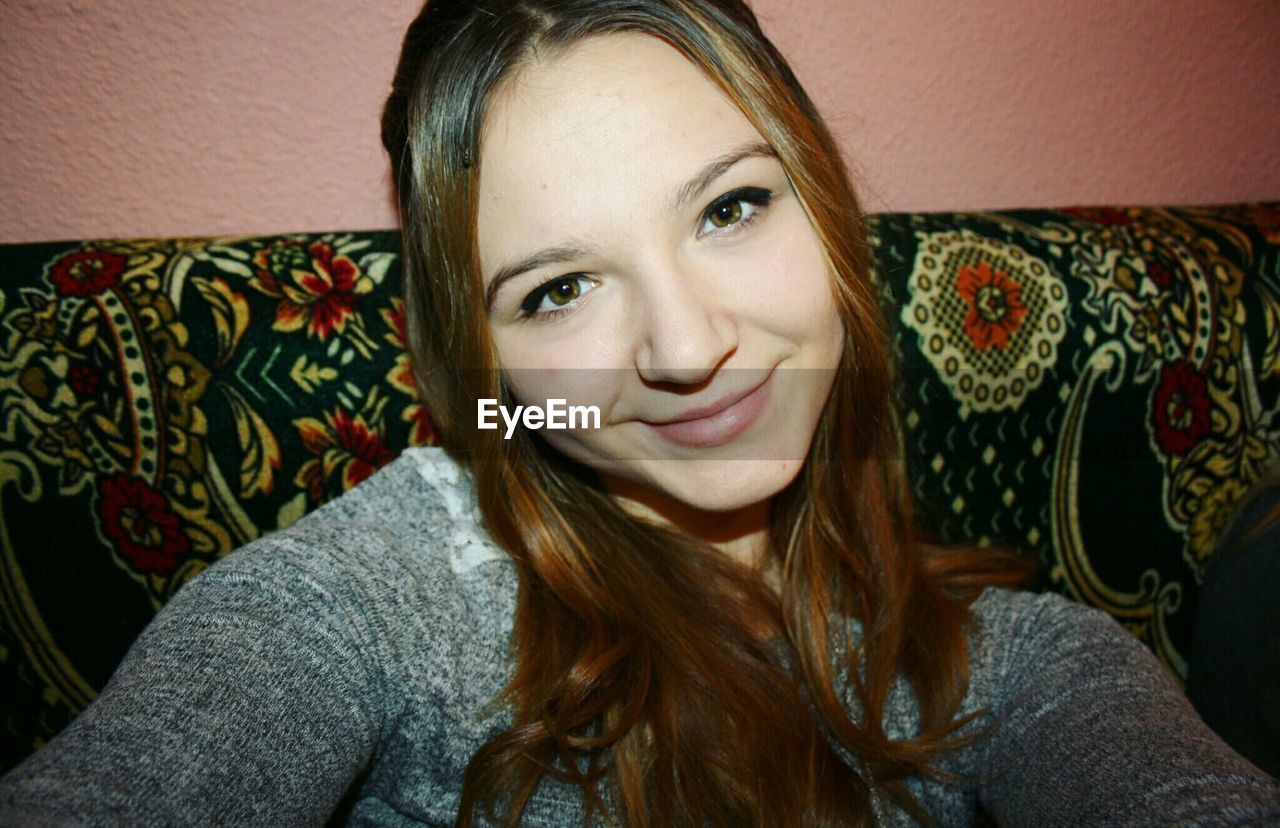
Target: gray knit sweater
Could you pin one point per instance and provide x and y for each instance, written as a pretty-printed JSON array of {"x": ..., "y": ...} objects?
[{"x": 346, "y": 663}]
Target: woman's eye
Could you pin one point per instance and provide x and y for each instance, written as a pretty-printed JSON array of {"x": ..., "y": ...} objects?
[
  {"x": 559, "y": 294},
  {"x": 735, "y": 210},
  {"x": 722, "y": 215}
]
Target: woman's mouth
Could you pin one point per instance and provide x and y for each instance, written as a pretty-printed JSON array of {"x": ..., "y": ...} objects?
[{"x": 718, "y": 423}]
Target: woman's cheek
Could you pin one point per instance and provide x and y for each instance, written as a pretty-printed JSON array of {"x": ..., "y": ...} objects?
[
  {"x": 788, "y": 285},
  {"x": 580, "y": 359}
]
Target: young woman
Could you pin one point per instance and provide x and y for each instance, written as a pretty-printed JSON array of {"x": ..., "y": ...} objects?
[{"x": 706, "y": 608}]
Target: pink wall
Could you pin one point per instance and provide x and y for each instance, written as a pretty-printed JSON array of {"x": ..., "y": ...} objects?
[{"x": 148, "y": 117}]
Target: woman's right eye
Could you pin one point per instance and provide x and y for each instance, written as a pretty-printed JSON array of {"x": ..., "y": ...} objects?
[{"x": 556, "y": 296}]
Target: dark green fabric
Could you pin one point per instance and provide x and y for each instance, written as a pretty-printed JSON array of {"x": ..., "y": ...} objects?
[
  {"x": 1095, "y": 387},
  {"x": 1145, "y": 415}
]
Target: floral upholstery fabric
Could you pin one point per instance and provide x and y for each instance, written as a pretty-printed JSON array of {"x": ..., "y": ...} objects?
[{"x": 1097, "y": 387}]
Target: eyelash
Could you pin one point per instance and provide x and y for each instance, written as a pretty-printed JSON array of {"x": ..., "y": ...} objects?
[
  {"x": 528, "y": 308},
  {"x": 758, "y": 198},
  {"x": 755, "y": 196}
]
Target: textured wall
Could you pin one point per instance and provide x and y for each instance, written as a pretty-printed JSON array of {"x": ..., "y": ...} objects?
[{"x": 150, "y": 117}]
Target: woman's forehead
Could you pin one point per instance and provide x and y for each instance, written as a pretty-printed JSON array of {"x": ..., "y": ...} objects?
[
  {"x": 610, "y": 125},
  {"x": 623, "y": 79}
]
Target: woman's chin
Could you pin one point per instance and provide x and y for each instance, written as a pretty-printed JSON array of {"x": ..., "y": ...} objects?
[{"x": 718, "y": 485}]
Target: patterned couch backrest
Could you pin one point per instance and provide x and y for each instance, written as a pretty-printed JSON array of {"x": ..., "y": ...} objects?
[{"x": 1097, "y": 387}]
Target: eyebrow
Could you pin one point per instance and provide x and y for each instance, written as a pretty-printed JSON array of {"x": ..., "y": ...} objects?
[{"x": 569, "y": 251}]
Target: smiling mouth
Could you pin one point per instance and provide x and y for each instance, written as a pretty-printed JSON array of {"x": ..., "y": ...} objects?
[{"x": 718, "y": 423}]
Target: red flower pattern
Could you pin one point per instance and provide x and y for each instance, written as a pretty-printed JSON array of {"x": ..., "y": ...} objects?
[
  {"x": 87, "y": 272},
  {"x": 1266, "y": 218},
  {"x": 137, "y": 519},
  {"x": 83, "y": 380},
  {"x": 317, "y": 287},
  {"x": 401, "y": 374},
  {"x": 1159, "y": 273},
  {"x": 995, "y": 305},
  {"x": 422, "y": 431},
  {"x": 1180, "y": 408},
  {"x": 343, "y": 443}
]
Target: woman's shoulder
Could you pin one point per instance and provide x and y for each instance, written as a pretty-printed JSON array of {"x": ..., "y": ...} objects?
[
  {"x": 1013, "y": 622},
  {"x": 1007, "y": 617},
  {"x": 1089, "y": 722},
  {"x": 399, "y": 559},
  {"x": 415, "y": 517},
  {"x": 357, "y": 641},
  {"x": 1018, "y": 631}
]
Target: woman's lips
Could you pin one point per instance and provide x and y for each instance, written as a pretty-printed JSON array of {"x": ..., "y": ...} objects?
[{"x": 717, "y": 424}]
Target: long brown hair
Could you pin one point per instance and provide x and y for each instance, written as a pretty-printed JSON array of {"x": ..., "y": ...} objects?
[{"x": 640, "y": 672}]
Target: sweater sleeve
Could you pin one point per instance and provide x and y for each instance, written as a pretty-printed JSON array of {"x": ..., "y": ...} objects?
[
  {"x": 1091, "y": 730},
  {"x": 246, "y": 701}
]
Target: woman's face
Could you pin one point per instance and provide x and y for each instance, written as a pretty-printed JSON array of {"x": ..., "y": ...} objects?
[{"x": 643, "y": 252}]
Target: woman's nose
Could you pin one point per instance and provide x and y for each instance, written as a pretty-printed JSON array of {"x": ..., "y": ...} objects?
[{"x": 689, "y": 327}]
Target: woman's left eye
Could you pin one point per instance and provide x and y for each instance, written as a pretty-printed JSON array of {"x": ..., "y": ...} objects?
[
  {"x": 727, "y": 213},
  {"x": 556, "y": 296}
]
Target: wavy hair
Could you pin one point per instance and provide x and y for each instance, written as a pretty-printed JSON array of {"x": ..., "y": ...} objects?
[{"x": 662, "y": 678}]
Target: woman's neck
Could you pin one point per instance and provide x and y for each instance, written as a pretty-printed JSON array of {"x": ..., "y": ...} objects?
[{"x": 741, "y": 535}]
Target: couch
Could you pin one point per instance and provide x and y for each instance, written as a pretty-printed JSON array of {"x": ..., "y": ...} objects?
[{"x": 1097, "y": 387}]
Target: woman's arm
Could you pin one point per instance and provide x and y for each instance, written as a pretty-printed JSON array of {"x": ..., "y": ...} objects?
[
  {"x": 246, "y": 701},
  {"x": 1095, "y": 732}
]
